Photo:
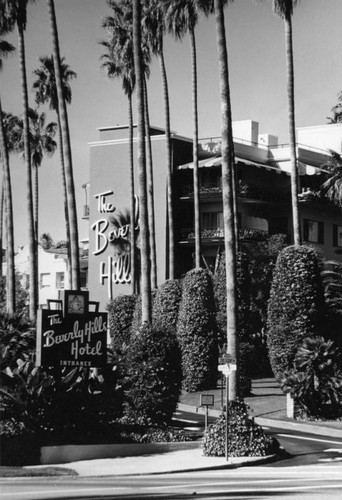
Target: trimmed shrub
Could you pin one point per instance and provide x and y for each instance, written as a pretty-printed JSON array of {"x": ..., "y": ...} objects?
[
  {"x": 153, "y": 376},
  {"x": 120, "y": 317},
  {"x": 245, "y": 437},
  {"x": 296, "y": 305},
  {"x": 197, "y": 332},
  {"x": 166, "y": 304},
  {"x": 315, "y": 382}
]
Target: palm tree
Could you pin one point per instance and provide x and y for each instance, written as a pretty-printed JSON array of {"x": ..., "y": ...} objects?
[
  {"x": 154, "y": 30},
  {"x": 144, "y": 236},
  {"x": 227, "y": 151},
  {"x": 332, "y": 187},
  {"x": 15, "y": 12},
  {"x": 181, "y": 17},
  {"x": 337, "y": 110},
  {"x": 6, "y": 189},
  {"x": 46, "y": 92},
  {"x": 119, "y": 63},
  {"x": 42, "y": 142},
  {"x": 69, "y": 177},
  {"x": 284, "y": 8}
]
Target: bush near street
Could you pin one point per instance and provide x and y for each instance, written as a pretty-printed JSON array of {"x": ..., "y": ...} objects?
[{"x": 245, "y": 437}]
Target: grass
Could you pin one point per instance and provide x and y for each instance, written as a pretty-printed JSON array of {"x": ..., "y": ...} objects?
[{"x": 35, "y": 472}]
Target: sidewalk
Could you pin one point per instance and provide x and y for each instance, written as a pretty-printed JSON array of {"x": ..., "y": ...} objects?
[{"x": 268, "y": 407}]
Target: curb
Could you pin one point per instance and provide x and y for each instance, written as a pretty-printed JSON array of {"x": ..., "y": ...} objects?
[{"x": 272, "y": 422}]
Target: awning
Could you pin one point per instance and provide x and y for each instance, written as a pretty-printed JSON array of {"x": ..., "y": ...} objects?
[
  {"x": 284, "y": 167},
  {"x": 216, "y": 161}
]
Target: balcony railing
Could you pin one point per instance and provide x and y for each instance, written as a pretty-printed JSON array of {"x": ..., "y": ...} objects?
[
  {"x": 250, "y": 191},
  {"x": 206, "y": 190},
  {"x": 188, "y": 234},
  {"x": 213, "y": 233}
]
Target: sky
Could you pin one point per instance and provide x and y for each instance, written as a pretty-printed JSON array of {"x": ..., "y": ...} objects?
[{"x": 257, "y": 73}]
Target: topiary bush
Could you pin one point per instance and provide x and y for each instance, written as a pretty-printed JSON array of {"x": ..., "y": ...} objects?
[
  {"x": 296, "y": 305},
  {"x": 315, "y": 381},
  {"x": 166, "y": 304},
  {"x": 245, "y": 437},
  {"x": 120, "y": 318},
  {"x": 153, "y": 376},
  {"x": 197, "y": 332}
]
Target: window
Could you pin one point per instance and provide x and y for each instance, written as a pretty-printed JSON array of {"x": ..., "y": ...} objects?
[
  {"x": 45, "y": 280},
  {"x": 313, "y": 231},
  {"x": 337, "y": 235},
  {"x": 212, "y": 220},
  {"x": 258, "y": 223},
  {"x": 59, "y": 280}
]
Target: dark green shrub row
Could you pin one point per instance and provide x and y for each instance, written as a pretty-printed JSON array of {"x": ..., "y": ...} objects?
[
  {"x": 296, "y": 305},
  {"x": 245, "y": 437},
  {"x": 197, "y": 332}
]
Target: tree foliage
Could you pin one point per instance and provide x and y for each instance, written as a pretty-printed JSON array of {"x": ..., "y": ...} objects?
[{"x": 315, "y": 381}]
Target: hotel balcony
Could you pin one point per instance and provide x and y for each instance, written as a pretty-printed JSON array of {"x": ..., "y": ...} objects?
[
  {"x": 248, "y": 193},
  {"x": 215, "y": 235}
]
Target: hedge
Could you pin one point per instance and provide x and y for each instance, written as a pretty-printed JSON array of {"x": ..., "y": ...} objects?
[
  {"x": 197, "y": 332},
  {"x": 120, "y": 317},
  {"x": 153, "y": 376},
  {"x": 166, "y": 304},
  {"x": 296, "y": 305}
]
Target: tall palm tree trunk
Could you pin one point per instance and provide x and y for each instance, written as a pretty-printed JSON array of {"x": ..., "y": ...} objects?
[
  {"x": 171, "y": 237},
  {"x": 197, "y": 222},
  {"x": 144, "y": 237},
  {"x": 1, "y": 217},
  {"x": 132, "y": 193},
  {"x": 292, "y": 130},
  {"x": 33, "y": 271},
  {"x": 10, "y": 280},
  {"x": 227, "y": 193},
  {"x": 72, "y": 212},
  {"x": 35, "y": 199},
  {"x": 150, "y": 193},
  {"x": 65, "y": 201}
]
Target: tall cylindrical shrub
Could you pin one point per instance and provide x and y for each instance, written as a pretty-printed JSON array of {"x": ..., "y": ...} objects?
[
  {"x": 153, "y": 376},
  {"x": 296, "y": 305},
  {"x": 197, "y": 332},
  {"x": 166, "y": 304},
  {"x": 120, "y": 317}
]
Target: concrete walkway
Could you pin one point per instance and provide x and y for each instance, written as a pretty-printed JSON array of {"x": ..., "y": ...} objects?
[{"x": 268, "y": 407}]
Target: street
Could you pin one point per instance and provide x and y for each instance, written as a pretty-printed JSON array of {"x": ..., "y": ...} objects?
[{"x": 312, "y": 468}]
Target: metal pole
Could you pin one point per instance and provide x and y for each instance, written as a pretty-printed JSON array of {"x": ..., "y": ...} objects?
[
  {"x": 206, "y": 417},
  {"x": 227, "y": 398}
]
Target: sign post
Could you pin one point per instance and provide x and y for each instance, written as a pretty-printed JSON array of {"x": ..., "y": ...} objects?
[
  {"x": 71, "y": 335},
  {"x": 206, "y": 401},
  {"x": 227, "y": 366}
]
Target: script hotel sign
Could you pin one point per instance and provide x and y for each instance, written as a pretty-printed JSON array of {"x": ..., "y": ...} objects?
[{"x": 71, "y": 339}]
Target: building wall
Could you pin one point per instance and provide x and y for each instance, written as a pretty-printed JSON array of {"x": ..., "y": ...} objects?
[{"x": 109, "y": 173}]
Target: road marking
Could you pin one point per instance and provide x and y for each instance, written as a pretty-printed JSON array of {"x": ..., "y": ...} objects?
[
  {"x": 309, "y": 439},
  {"x": 192, "y": 428}
]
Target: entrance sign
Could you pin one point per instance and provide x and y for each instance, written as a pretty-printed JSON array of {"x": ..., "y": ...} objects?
[{"x": 76, "y": 338}]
